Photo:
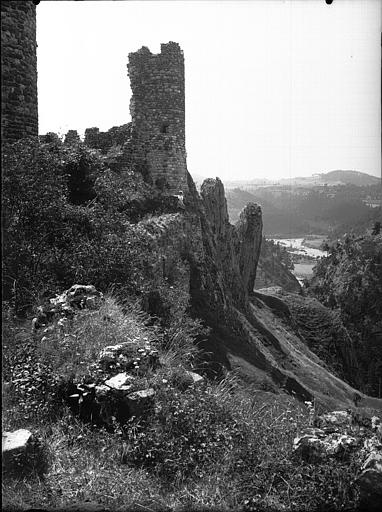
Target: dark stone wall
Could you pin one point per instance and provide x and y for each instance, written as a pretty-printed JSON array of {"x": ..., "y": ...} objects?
[
  {"x": 157, "y": 110},
  {"x": 116, "y": 136},
  {"x": 19, "y": 115}
]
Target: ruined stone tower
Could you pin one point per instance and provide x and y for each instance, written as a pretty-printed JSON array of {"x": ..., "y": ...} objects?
[
  {"x": 158, "y": 115},
  {"x": 19, "y": 116}
]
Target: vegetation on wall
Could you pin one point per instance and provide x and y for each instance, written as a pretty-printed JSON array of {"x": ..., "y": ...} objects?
[{"x": 68, "y": 218}]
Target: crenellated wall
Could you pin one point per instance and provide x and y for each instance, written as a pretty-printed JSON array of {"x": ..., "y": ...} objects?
[
  {"x": 19, "y": 114},
  {"x": 157, "y": 109}
]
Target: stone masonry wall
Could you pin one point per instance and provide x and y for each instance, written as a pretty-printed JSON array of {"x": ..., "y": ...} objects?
[
  {"x": 18, "y": 70},
  {"x": 116, "y": 136},
  {"x": 157, "y": 109}
]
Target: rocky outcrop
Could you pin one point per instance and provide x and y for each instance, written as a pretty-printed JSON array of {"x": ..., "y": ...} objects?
[
  {"x": 340, "y": 435},
  {"x": 65, "y": 305},
  {"x": 249, "y": 229},
  {"x": 247, "y": 333}
]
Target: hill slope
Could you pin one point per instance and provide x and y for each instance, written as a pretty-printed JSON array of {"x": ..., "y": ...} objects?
[{"x": 360, "y": 179}]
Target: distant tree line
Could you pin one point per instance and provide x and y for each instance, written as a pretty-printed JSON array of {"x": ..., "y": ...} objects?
[{"x": 329, "y": 210}]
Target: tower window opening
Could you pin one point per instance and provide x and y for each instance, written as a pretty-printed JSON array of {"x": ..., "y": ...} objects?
[{"x": 165, "y": 128}]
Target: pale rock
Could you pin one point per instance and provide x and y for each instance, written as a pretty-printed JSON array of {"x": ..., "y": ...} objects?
[
  {"x": 84, "y": 296},
  {"x": 314, "y": 444},
  {"x": 196, "y": 378},
  {"x": 22, "y": 453},
  {"x": 16, "y": 441},
  {"x": 374, "y": 461},
  {"x": 120, "y": 382},
  {"x": 335, "y": 418},
  {"x": 375, "y": 422},
  {"x": 372, "y": 444}
]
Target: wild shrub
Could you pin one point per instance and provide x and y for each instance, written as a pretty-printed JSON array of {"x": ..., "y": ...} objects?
[
  {"x": 63, "y": 222},
  {"x": 349, "y": 280}
]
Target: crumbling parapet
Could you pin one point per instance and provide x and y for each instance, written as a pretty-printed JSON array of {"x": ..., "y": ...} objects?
[
  {"x": 19, "y": 115},
  {"x": 157, "y": 110},
  {"x": 116, "y": 136}
]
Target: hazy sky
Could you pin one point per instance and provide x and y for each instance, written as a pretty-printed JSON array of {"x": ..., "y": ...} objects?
[{"x": 274, "y": 88}]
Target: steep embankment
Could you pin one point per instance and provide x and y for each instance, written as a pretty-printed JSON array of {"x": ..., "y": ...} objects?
[{"x": 248, "y": 333}]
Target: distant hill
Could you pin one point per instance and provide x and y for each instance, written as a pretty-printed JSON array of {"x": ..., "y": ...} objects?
[
  {"x": 338, "y": 177},
  {"x": 357, "y": 178}
]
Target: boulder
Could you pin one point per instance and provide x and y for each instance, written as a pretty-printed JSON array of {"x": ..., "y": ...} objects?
[
  {"x": 334, "y": 419},
  {"x": 140, "y": 402},
  {"x": 22, "y": 453},
  {"x": 370, "y": 482},
  {"x": 79, "y": 296},
  {"x": 62, "y": 306},
  {"x": 315, "y": 444},
  {"x": 120, "y": 382}
]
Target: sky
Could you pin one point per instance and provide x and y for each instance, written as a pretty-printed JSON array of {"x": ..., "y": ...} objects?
[{"x": 274, "y": 88}]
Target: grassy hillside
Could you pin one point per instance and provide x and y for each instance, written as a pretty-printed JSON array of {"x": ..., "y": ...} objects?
[
  {"x": 222, "y": 373},
  {"x": 221, "y": 445}
]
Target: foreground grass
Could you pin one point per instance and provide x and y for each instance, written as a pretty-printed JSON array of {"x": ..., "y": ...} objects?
[{"x": 220, "y": 446}]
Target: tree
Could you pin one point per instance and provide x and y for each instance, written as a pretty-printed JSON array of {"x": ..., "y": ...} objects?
[{"x": 350, "y": 279}]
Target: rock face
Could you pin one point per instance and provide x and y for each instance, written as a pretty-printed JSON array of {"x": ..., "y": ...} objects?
[
  {"x": 253, "y": 334},
  {"x": 249, "y": 229},
  {"x": 19, "y": 116}
]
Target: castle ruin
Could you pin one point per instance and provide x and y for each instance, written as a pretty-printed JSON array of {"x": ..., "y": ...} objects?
[
  {"x": 153, "y": 143},
  {"x": 19, "y": 114},
  {"x": 157, "y": 110}
]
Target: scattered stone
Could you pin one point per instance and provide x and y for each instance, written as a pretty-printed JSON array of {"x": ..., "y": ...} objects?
[
  {"x": 64, "y": 306},
  {"x": 22, "y": 453},
  {"x": 196, "y": 378},
  {"x": 128, "y": 356},
  {"x": 334, "y": 419},
  {"x": 120, "y": 382},
  {"x": 79, "y": 296},
  {"x": 375, "y": 422},
  {"x": 315, "y": 445},
  {"x": 140, "y": 402}
]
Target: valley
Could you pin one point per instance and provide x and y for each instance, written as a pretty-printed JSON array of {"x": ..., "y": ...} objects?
[{"x": 304, "y": 253}]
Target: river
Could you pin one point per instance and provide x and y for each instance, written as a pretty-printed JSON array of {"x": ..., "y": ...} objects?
[{"x": 303, "y": 268}]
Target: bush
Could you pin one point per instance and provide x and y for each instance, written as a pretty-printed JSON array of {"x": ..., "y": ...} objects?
[
  {"x": 349, "y": 280},
  {"x": 66, "y": 220}
]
